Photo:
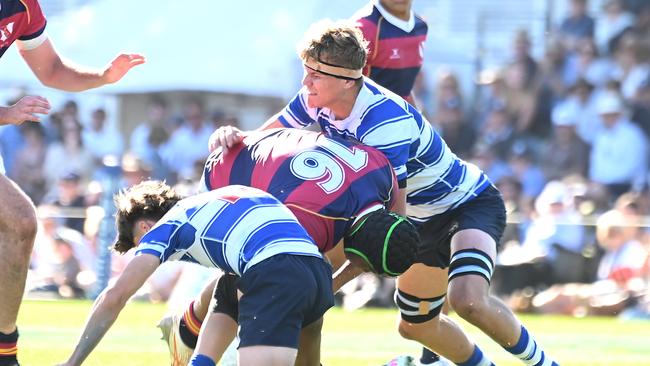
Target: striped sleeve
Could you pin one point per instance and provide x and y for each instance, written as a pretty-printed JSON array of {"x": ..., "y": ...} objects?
[{"x": 297, "y": 114}]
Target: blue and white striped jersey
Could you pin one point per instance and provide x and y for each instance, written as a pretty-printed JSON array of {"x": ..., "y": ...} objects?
[
  {"x": 437, "y": 180},
  {"x": 231, "y": 228}
]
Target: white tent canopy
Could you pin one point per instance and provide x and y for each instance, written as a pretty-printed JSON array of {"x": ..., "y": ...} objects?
[{"x": 243, "y": 47}]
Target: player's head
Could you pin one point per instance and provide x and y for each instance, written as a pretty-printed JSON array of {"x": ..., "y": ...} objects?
[
  {"x": 384, "y": 242},
  {"x": 333, "y": 55},
  {"x": 146, "y": 201}
]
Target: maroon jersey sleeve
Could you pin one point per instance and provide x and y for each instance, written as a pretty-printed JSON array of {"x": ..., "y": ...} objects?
[{"x": 35, "y": 24}]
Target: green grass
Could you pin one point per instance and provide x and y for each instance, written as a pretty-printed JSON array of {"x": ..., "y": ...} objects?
[{"x": 49, "y": 330}]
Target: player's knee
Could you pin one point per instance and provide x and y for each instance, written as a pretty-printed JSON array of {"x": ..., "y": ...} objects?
[
  {"x": 467, "y": 304},
  {"x": 23, "y": 224},
  {"x": 408, "y": 330}
]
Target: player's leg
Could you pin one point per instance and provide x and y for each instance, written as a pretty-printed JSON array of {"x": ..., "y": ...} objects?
[
  {"x": 181, "y": 330},
  {"x": 217, "y": 333},
  {"x": 309, "y": 344},
  {"x": 17, "y": 233},
  {"x": 420, "y": 296},
  {"x": 267, "y": 356},
  {"x": 473, "y": 252},
  {"x": 469, "y": 297}
]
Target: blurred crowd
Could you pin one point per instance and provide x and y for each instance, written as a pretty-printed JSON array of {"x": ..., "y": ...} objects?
[{"x": 564, "y": 137}]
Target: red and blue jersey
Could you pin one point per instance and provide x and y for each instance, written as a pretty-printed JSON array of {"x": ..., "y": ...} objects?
[
  {"x": 325, "y": 182},
  {"x": 394, "y": 47},
  {"x": 21, "y": 21}
]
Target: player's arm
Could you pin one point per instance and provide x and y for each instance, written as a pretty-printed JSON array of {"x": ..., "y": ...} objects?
[
  {"x": 27, "y": 108},
  {"x": 109, "y": 304},
  {"x": 58, "y": 73}
]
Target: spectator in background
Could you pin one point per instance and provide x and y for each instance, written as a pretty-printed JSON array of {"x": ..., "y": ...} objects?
[
  {"x": 449, "y": 118},
  {"x": 618, "y": 157},
  {"x": 189, "y": 143},
  {"x": 498, "y": 133},
  {"x": 487, "y": 158},
  {"x": 555, "y": 75},
  {"x": 582, "y": 99},
  {"x": 71, "y": 201},
  {"x": 395, "y": 36},
  {"x": 149, "y": 136},
  {"x": 565, "y": 154},
  {"x": 29, "y": 173},
  {"x": 587, "y": 64},
  {"x": 577, "y": 26},
  {"x": 632, "y": 58},
  {"x": 134, "y": 170},
  {"x": 59, "y": 277},
  {"x": 523, "y": 162},
  {"x": 622, "y": 262},
  {"x": 610, "y": 24},
  {"x": 68, "y": 155},
  {"x": 641, "y": 106},
  {"x": 101, "y": 139}
]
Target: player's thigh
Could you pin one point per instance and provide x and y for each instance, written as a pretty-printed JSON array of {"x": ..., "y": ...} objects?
[
  {"x": 17, "y": 210},
  {"x": 423, "y": 281},
  {"x": 309, "y": 346},
  {"x": 267, "y": 356}
]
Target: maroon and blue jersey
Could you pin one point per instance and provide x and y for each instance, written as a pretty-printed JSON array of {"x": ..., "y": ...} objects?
[
  {"x": 394, "y": 47},
  {"x": 325, "y": 182},
  {"x": 21, "y": 21}
]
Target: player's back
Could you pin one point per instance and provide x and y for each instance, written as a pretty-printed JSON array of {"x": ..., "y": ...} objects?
[
  {"x": 231, "y": 228},
  {"x": 325, "y": 182}
]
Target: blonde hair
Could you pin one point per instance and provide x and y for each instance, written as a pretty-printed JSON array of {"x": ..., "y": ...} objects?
[{"x": 339, "y": 43}]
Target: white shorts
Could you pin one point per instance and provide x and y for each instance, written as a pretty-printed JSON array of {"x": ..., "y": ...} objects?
[{"x": 2, "y": 166}]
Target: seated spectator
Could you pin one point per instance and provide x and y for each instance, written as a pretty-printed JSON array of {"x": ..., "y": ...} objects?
[
  {"x": 621, "y": 265},
  {"x": 523, "y": 162},
  {"x": 70, "y": 154},
  {"x": 565, "y": 154},
  {"x": 29, "y": 173},
  {"x": 610, "y": 24},
  {"x": 618, "y": 155},
  {"x": 188, "y": 144},
  {"x": 70, "y": 201},
  {"x": 577, "y": 26},
  {"x": 632, "y": 65},
  {"x": 582, "y": 99},
  {"x": 59, "y": 266},
  {"x": 449, "y": 118},
  {"x": 100, "y": 139},
  {"x": 587, "y": 64}
]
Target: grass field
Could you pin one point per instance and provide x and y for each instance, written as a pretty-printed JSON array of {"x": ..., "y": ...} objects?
[{"x": 49, "y": 330}]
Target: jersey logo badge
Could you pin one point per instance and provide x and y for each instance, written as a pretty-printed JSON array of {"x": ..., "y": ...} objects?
[
  {"x": 5, "y": 32},
  {"x": 395, "y": 54}
]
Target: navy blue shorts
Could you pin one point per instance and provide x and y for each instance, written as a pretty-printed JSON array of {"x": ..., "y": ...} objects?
[
  {"x": 282, "y": 295},
  {"x": 485, "y": 212}
]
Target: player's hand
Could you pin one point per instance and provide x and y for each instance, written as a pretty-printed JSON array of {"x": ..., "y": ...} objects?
[
  {"x": 225, "y": 137},
  {"x": 120, "y": 66},
  {"x": 28, "y": 108}
]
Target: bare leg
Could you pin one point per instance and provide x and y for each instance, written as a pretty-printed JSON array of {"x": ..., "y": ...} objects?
[
  {"x": 17, "y": 233},
  {"x": 309, "y": 346},
  {"x": 201, "y": 304},
  {"x": 469, "y": 297},
  {"x": 267, "y": 356},
  {"x": 217, "y": 333}
]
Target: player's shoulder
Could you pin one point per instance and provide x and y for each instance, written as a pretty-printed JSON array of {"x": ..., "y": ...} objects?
[{"x": 368, "y": 14}]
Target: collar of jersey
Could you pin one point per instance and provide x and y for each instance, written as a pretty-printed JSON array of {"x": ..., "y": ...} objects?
[{"x": 406, "y": 26}]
